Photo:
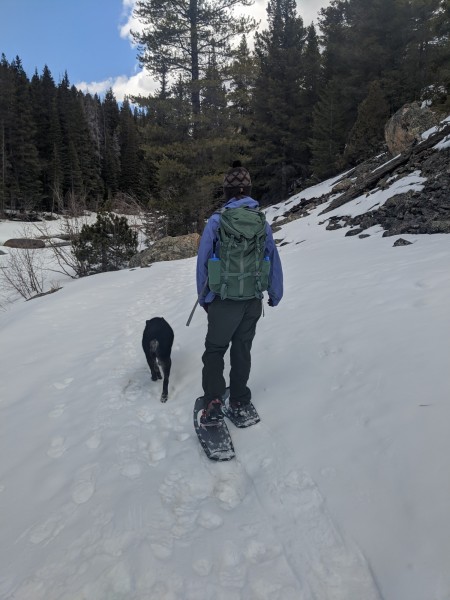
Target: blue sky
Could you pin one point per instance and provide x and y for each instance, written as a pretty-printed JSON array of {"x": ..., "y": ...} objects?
[{"x": 89, "y": 39}]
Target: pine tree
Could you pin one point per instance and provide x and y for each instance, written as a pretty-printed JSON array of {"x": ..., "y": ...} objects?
[
  {"x": 107, "y": 245},
  {"x": 214, "y": 115},
  {"x": 328, "y": 137},
  {"x": 110, "y": 146},
  {"x": 179, "y": 36},
  {"x": 242, "y": 74},
  {"x": 6, "y": 102},
  {"x": 130, "y": 163},
  {"x": 25, "y": 185},
  {"x": 367, "y": 134},
  {"x": 280, "y": 142},
  {"x": 48, "y": 135},
  {"x": 429, "y": 34}
]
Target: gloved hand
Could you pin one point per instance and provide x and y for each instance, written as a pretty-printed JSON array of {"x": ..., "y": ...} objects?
[{"x": 270, "y": 302}]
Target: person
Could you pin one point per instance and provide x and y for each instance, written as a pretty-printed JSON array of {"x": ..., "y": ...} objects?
[{"x": 230, "y": 320}]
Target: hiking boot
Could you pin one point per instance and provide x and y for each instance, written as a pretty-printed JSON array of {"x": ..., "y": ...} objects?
[{"x": 212, "y": 414}]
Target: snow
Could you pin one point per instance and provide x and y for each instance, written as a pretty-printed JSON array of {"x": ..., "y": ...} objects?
[
  {"x": 426, "y": 134},
  {"x": 444, "y": 143},
  {"x": 372, "y": 201},
  {"x": 340, "y": 493}
]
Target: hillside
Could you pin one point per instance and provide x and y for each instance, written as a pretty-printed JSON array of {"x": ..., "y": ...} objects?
[{"x": 340, "y": 493}]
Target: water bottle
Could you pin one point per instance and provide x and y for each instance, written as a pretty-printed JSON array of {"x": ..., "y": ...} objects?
[
  {"x": 213, "y": 272},
  {"x": 265, "y": 271}
]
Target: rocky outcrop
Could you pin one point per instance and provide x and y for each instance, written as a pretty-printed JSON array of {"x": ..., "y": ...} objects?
[
  {"x": 425, "y": 211},
  {"x": 168, "y": 248},
  {"x": 24, "y": 243},
  {"x": 406, "y": 126}
]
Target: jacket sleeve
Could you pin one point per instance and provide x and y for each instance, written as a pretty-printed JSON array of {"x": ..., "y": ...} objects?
[
  {"x": 276, "y": 271},
  {"x": 205, "y": 250}
]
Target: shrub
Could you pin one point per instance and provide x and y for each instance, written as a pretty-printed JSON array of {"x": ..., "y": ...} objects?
[{"x": 107, "y": 245}]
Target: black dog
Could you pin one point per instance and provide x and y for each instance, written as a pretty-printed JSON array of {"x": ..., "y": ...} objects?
[{"x": 157, "y": 344}]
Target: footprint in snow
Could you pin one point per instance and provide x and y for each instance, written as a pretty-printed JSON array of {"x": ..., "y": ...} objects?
[
  {"x": 94, "y": 441},
  {"x": 84, "y": 487},
  {"x": 132, "y": 471},
  {"x": 61, "y": 385},
  {"x": 202, "y": 567},
  {"x": 209, "y": 520},
  {"x": 146, "y": 415},
  {"x": 57, "y": 447},
  {"x": 57, "y": 411},
  {"x": 233, "y": 568}
]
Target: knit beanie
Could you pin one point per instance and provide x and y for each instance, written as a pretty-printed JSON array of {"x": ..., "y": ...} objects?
[{"x": 237, "y": 181}]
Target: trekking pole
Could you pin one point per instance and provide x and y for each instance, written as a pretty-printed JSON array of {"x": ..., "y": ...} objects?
[{"x": 196, "y": 304}]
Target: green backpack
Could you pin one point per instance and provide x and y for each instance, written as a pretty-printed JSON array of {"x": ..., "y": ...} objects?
[{"x": 242, "y": 272}]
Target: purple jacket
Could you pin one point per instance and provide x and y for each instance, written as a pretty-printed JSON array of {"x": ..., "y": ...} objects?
[{"x": 205, "y": 251}]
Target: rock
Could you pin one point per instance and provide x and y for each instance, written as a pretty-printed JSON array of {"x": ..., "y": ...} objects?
[
  {"x": 24, "y": 243},
  {"x": 402, "y": 242},
  {"x": 352, "y": 232},
  {"x": 342, "y": 186},
  {"x": 168, "y": 248},
  {"x": 425, "y": 211},
  {"x": 406, "y": 126}
]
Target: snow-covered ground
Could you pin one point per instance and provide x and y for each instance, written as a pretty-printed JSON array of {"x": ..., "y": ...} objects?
[{"x": 340, "y": 493}]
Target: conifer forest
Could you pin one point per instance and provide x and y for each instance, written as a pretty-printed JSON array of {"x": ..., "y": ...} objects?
[{"x": 296, "y": 103}]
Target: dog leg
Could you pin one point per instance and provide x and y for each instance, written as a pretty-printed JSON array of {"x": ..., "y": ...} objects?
[
  {"x": 151, "y": 359},
  {"x": 166, "y": 365}
]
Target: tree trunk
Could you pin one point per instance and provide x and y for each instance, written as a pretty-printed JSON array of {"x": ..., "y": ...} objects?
[{"x": 195, "y": 88}]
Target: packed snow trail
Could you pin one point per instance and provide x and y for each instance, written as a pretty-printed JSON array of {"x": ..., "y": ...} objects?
[
  {"x": 125, "y": 505},
  {"x": 105, "y": 493}
]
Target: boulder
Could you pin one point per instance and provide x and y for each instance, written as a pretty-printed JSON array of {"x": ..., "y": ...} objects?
[
  {"x": 402, "y": 242},
  {"x": 342, "y": 186},
  {"x": 25, "y": 243},
  {"x": 406, "y": 126},
  {"x": 168, "y": 248}
]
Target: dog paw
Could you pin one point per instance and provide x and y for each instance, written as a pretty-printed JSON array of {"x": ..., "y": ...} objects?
[
  {"x": 159, "y": 375},
  {"x": 164, "y": 397},
  {"x": 154, "y": 378}
]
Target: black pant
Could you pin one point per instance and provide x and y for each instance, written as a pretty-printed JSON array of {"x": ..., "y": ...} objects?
[{"x": 229, "y": 321}]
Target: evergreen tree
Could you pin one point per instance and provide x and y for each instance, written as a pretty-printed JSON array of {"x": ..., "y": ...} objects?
[
  {"x": 441, "y": 59},
  {"x": 280, "y": 142},
  {"x": 311, "y": 86},
  {"x": 48, "y": 135},
  {"x": 179, "y": 36},
  {"x": 428, "y": 48},
  {"x": 213, "y": 100},
  {"x": 107, "y": 245},
  {"x": 367, "y": 134},
  {"x": 110, "y": 144},
  {"x": 6, "y": 103},
  {"x": 130, "y": 163},
  {"x": 328, "y": 138},
  {"x": 242, "y": 76},
  {"x": 24, "y": 184}
]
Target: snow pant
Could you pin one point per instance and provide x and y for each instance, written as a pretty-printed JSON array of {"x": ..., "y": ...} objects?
[{"x": 229, "y": 321}]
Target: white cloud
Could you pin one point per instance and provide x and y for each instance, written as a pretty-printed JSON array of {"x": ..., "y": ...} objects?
[
  {"x": 140, "y": 84},
  {"x": 131, "y": 23}
]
